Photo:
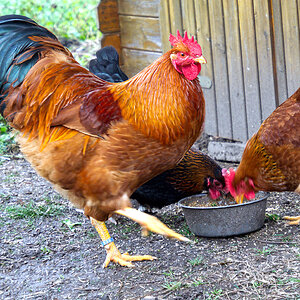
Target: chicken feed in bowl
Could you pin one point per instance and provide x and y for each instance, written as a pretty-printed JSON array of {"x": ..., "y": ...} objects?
[{"x": 223, "y": 217}]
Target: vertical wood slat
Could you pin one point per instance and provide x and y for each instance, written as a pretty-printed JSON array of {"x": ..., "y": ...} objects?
[
  {"x": 279, "y": 52},
  {"x": 220, "y": 68},
  {"x": 165, "y": 26},
  {"x": 235, "y": 70},
  {"x": 291, "y": 37},
  {"x": 264, "y": 57},
  {"x": 204, "y": 39},
  {"x": 251, "y": 84},
  {"x": 175, "y": 16},
  {"x": 188, "y": 17}
]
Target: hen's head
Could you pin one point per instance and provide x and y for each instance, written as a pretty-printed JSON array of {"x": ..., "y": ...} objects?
[
  {"x": 186, "y": 56},
  {"x": 215, "y": 188},
  {"x": 239, "y": 188}
]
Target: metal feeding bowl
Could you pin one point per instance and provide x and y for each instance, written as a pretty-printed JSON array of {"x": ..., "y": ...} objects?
[{"x": 207, "y": 220}]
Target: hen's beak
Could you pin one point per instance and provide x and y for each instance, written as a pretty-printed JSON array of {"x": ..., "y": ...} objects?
[
  {"x": 239, "y": 199},
  {"x": 200, "y": 60}
]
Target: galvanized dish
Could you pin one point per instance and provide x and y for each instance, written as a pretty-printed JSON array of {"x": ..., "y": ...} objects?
[{"x": 224, "y": 221}]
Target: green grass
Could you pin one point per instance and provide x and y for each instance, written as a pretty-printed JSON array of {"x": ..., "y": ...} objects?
[
  {"x": 196, "y": 261},
  {"x": 70, "y": 19},
  {"x": 173, "y": 285},
  {"x": 6, "y": 136},
  {"x": 32, "y": 210}
]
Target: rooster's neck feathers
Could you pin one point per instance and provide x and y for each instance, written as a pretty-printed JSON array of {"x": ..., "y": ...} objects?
[{"x": 163, "y": 112}]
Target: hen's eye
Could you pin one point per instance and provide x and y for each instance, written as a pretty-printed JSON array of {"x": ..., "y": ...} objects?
[{"x": 182, "y": 54}]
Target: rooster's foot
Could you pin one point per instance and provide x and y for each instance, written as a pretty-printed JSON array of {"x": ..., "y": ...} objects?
[
  {"x": 294, "y": 220},
  {"x": 150, "y": 223},
  {"x": 113, "y": 254}
]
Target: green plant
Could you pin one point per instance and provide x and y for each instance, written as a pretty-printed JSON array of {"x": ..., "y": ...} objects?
[
  {"x": 196, "y": 261},
  {"x": 273, "y": 217},
  {"x": 172, "y": 285},
  {"x": 264, "y": 251},
  {"x": 6, "y": 136},
  {"x": 198, "y": 282},
  {"x": 215, "y": 294},
  {"x": 32, "y": 210},
  {"x": 71, "y": 225},
  {"x": 70, "y": 19}
]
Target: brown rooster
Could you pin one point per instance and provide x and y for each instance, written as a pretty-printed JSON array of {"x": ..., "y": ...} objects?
[
  {"x": 196, "y": 171},
  {"x": 271, "y": 159},
  {"x": 96, "y": 141}
]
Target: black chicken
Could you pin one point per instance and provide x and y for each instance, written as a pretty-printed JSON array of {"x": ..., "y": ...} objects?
[{"x": 106, "y": 65}]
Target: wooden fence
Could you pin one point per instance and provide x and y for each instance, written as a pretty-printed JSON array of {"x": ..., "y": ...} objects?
[{"x": 252, "y": 48}]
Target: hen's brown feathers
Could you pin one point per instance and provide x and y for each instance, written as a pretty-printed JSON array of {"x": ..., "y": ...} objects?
[{"x": 272, "y": 156}]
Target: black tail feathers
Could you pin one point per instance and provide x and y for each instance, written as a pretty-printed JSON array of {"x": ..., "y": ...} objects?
[
  {"x": 106, "y": 65},
  {"x": 18, "y": 53}
]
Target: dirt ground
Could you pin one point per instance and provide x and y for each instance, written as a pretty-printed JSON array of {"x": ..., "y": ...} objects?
[{"x": 51, "y": 251}]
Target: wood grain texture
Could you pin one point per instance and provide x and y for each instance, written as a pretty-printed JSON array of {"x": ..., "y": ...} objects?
[
  {"x": 140, "y": 33},
  {"x": 108, "y": 16},
  {"x": 249, "y": 59},
  {"x": 235, "y": 70},
  {"x": 165, "y": 26},
  {"x": 188, "y": 16},
  {"x": 175, "y": 16},
  {"x": 149, "y": 8},
  {"x": 289, "y": 10},
  {"x": 204, "y": 39},
  {"x": 137, "y": 60},
  {"x": 279, "y": 52},
  {"x": 220, "y": 68},
  {"x": 264, "y": 57}
]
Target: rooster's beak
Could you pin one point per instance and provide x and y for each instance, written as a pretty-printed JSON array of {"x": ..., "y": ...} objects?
[
  {"x": 239, "y": 199},
  {"x": 200, "y": 60}
]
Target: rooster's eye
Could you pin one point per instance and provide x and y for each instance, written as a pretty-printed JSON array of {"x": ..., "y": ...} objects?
[{"x": 182, "y": 54}]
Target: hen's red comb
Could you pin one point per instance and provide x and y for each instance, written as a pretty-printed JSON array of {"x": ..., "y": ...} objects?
[{"x": 191, "y": 43}]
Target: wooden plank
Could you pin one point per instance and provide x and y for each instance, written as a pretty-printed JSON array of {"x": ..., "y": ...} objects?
[
  {"x": 108, "y": 16},
  {"x": 279, "y": 52},
  {"x": 165, "y": 26},
  {"x": 264, "y": 57},
  {"x": 149, "y": 8},
  {"x": 188, "y": 17},
  {"x": 251, "y": 83},
  {"x": 203, "y": 37},
  {"x": 289, "y": 12},
  {"x": 175, "y": 16},
  {"x": 220, "y": 68},
  {"x": 140, "y": 33},
  {"x": 299, "y": 12},
  {"x": 137, "y": 60},
  {"x": 235, "y": 71}
]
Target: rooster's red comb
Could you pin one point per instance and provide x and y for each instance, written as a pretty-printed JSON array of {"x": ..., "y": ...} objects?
[{"x": 191, "y": 43}]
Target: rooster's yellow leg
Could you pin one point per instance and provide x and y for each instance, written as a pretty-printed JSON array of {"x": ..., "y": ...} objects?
[
  {"x": 150, "y": 223},
  {"x": 113, "y": 254},
  {"x": 294, "y": 220}
]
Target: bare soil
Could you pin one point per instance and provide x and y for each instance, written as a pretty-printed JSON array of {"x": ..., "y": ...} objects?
[{"x": 42, "y": 257}]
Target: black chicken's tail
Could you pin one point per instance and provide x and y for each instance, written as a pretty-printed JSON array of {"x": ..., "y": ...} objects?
[
  {"x": 106, "y": 65},
  {"x": 21, "y": 42}
]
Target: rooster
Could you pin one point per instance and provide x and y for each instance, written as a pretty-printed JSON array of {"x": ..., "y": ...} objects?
[
  {"x": 271, "y": 159},
  {"x": 196, "y": 171},
  {"x": 96, "y": 141}
]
